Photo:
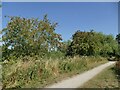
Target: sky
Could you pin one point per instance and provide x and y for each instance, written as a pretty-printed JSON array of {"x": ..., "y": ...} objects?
[
  {"x": 60, "y": 0},
  {"x": 84, "y": 16}
]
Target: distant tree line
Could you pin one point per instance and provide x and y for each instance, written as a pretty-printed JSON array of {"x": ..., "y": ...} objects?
[{"x": 92, "y": 43}]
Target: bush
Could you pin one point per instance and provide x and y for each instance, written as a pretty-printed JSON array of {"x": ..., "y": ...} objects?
[
  {"x": 36, "y": 70},
  {"x": 118, "y": 67}
]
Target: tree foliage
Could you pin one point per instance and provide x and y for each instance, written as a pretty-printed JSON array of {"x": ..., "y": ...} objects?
[
  {"x": 92, "y": 43},
  {"x": 118, "y": 40},
  {"x": 30, "y": 36},
  {"x": 64, "y": 46}
]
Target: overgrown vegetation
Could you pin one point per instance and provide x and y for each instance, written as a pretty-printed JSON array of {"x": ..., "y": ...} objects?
[
  {"x": 34, "y": 55},
  {"x": 40, "y": 72},
  {"x": 118, "y": 70}
]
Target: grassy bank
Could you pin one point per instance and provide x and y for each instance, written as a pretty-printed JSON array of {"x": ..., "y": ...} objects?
[
  {"x": 37, "y": 72},
  {"x": 0, "y": 75},
  {"x": 106, "y": 79}
]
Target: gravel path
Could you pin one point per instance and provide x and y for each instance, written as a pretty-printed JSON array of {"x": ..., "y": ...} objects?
[{"x": 79, "y": 80}]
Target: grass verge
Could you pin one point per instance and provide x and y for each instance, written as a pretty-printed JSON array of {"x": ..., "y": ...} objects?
[{"x": 106, "y": 79}]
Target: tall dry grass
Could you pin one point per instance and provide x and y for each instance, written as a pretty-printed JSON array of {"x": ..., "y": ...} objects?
[{"x": 31, "y": 72}]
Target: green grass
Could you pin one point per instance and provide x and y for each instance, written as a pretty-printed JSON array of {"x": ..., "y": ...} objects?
[
  {"x": 0, "y": 72},
  {"x": 37, "y": 73},
  {"x": 106, "y": 79},
  {"x": 0, "y": 76}
]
